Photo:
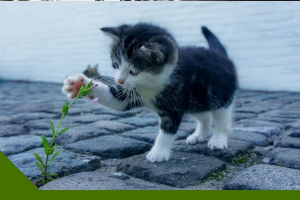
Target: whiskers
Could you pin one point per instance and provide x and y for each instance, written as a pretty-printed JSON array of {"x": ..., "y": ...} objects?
[
  {"x": 130, "y": 95},
  {"x": 136, "y": 98}
]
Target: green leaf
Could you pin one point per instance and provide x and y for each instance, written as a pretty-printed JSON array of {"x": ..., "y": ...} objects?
[
  {"x": 52, "y": 127},
  {"x": 62, "y": 131},
  {"x": 53, "y": 157},
  {"x": 50, "y": 151},
  {"x": 41, "y": 167},
  {"x": 65, "y": 110},
  {"x": 80, "y": 91},
  {"x": 55, "y": 146},
  {"x": 45, "y": 143},
  {"x": 39, "y": 158},
  {"x": 88, "y": 85},
  {"x": 84, "y": 93},
  {"x": 53, "y": 174},
  {"x": 66, "y": 102}
]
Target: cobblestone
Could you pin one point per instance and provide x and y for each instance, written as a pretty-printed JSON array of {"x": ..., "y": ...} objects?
[
  {"x": 110, "y": 147},
  {"x": 235, "y": 148},
  {"x": 266, "y": 127},
  {"x": 265, "y": 177}
]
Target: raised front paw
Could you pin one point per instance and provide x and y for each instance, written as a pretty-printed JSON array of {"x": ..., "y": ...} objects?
[
  {"x": 154, "y": 156},
  {"x": 73, "y": 83}
]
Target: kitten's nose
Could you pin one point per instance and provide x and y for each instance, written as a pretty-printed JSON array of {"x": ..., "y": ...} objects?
[{"x": 120, "y": 81}]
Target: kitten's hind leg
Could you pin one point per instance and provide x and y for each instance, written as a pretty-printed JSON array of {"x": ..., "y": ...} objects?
[
  {"x": 222, "y": 122},
  {"x": 204, "y": 121}
]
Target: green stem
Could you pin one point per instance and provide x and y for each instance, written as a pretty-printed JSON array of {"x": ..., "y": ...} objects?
[
  {"x": 46, "y": 164},
  {"x": 54, "y": 136},
  {"x": 57, "y": 128},
  {"x": 73, "y": 101},
  {"x": 61, "y": 121}
]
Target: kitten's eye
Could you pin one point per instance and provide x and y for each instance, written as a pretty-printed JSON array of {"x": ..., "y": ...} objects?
[
  {"x": 133, "y": 73},
  {"x": 116, "y": 66}
]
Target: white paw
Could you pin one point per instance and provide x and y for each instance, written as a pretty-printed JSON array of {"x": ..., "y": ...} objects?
[
  {"x": 153, "y": 156},
  {"x": 217, "y": 143},
  {"x": 194, "y": 139},
  {"x": 73, "y": 83}
]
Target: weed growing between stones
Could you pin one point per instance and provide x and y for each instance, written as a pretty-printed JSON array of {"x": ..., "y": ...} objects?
[
  {"x": 49, "y": 149},
  {"x": 241, "y": 159},
  {"x": 218, "y": 176}
]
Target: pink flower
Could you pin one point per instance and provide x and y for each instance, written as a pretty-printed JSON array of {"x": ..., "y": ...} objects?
[{"x": 95, "y": 100}]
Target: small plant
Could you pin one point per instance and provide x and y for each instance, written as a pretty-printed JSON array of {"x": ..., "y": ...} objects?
[
  {"x": 218, "y": 176},
  {"x": 49, "y": 149},
  {"x": 241, "y": 159}
]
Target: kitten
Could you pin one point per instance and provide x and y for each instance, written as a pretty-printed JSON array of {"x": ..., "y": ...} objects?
[{"x": 169, "y": 80}]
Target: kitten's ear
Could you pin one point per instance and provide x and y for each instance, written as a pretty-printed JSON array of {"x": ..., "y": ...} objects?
[
  {"x": 111, "y": 31},
  {"x": 159, "y": 56},
  {"x": 89, "y": 67},
  {"x": 96, "y": 67}
]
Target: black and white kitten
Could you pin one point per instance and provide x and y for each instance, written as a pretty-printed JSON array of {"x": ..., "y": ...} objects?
[{"x": 169, "y": 80}]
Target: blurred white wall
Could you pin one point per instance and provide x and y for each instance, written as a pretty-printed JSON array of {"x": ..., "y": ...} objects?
[{"x": 47, "y": 41}]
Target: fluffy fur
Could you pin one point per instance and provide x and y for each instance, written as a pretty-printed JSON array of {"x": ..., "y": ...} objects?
[{"x": 152, "y": 71}]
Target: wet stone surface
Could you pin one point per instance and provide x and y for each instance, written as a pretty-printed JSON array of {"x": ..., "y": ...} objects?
[
  {"x": 285, "y": 157},
  {"x": 265, "y": 130},
  {"x": 182, "y": 170},
  {"x": 4, "y": 120},
  {"x": 139, "y": 122},
  {"x": 265, "y": 177},
  {"x": 259, "y": 123},
  {"x": 44, "y": 124},
  {"x": 24, "y": 117},
  {"x": 149, "y": 134},
  {"x": 12, "y": 130},
  {"x": 79, "y": 133},
  {"x": 235, "y": 148},
  {"x": 295, "y": 134},
  {"x": 289, "y": 142},
  {"x": 110, "y": 147},
  {"x": 112, "y": 126},
  {"x": 18, "y": 144},
  {"x": 93, "y": 181},
  {"x": 66, "y": 163},
  {"x": 254, "y": 138},
  {"x": 90, "y": 118}
]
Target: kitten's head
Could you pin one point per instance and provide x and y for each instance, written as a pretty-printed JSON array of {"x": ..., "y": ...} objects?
[{"x": 143, "y": 55}]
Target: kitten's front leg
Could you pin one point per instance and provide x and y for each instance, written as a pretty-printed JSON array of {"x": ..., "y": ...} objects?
[
  {"x": 161, "y": 151},
  {"x": 73, "y": 83}
]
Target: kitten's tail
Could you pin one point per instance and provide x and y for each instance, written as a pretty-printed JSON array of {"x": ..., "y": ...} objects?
[{"x": 213, "y": 42}]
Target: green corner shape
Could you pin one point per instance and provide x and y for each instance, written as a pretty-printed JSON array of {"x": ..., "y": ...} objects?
[{"x": 12, "y": 180}]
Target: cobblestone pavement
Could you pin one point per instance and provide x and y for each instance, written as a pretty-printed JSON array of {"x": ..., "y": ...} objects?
[{"x": 106, "y": 149}]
